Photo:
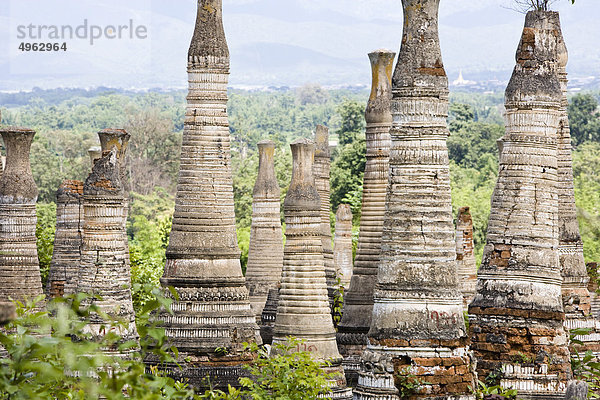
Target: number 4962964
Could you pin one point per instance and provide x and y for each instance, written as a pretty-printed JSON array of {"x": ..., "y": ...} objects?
[{"x": 43, "y": 46}]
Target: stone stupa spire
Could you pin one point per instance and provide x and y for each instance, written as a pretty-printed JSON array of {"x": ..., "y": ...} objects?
[
  {"x": 19, "y": 266},
  {"x": 577, "y": 301},
  {"x": 417, "y": 326},
  {"x": 66, "y": 256},
  {"x": 203, "y": 258},
  {"x": 465, "y": 256},
  {"x": 303, "y": 310},
  {"x": 265, "y": 254},
  {"x": 517, "y": 314},
  {"x": 358, "y": 299},
  {"x": 342, "y": 244},
  {"x": 105, "y": 269},
  {"x": 322, "y": 167}
]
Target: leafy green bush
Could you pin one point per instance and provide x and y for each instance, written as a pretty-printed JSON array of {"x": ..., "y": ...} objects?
[
  {"x": 44, "y": 233},
  {"x": 585, "y": 366},
  {"x": 51, "y": 355}
]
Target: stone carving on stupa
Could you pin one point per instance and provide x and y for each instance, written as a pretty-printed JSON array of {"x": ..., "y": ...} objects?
[
  {"x": 417, "y": 325},
  {"x": 66, "y": 255},
  {"x": 516, "y": 318},
  {"x": 212, "y": 315},
  {"x": 19, "y": 266},
  {"x": 465, "y": 256},
  {"x": 265, "y": 253},
  {"x": 303, "y": 309},
  {"x": 358, "y": 297}
]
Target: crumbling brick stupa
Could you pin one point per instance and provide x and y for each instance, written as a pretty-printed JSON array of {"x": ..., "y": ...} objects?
[
  {"x": 417, "y": 325},
  {"x": 465, "y": 256},
  {"x": 358, "y": 298},
  {"x": 19, "y": 267},
  {"x": 516, "y": 317},
  {"x": 203, "y": 259},
  {"x": 303, "y": 309},
  {"x": 105, "y": 269},
  {"x": 342, "y": 244},
  {"x": 66, "y": 255},
  {"x": 322, "y": 167},
  {"x": 95, "y": 153},
  {"x": 265, "y": 253},
  {"x": 577, "y": 301}
]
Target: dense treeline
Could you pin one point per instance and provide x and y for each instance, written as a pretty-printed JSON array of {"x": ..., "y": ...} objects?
[{"x": 67, "y": 121}]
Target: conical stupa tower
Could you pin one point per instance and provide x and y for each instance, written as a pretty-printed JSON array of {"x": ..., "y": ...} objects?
[
  {"x": 322, "y": 167},
  {"x": 577, "y": 301},
  {"x": 465, "y": 256},
  {"x": 358, "y": 299},
  {"x": 19, "y": 266},
  {"x": 265, "y": 254},
  {"x": 417, "y": 325},
  {"x": 66, "y": 256},
  {"x": 203, "y": 259},
  {"x": 516, "y": 318},
  {"x": 303, "y": 310},
  {"x": 342, "y": 244},
  {"x": 105, "y": 269}
]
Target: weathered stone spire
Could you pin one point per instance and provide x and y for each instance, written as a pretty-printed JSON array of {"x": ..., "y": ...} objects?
[
  {"x": 303, "y": 310},
  {"x": 575, "y": 293},
  {"x": 66, "y": 256},
  {"x": 95, "y": 153},
  {"x": 19, "y": 267},
  {"x": 358, "y": 299},
  {"x": 342, "y": 244},
  {"x": 322, "y": 167},
  {"x": 203, "y": 258},
  {"x": 118, "y": 138},
  {"x": 417, "y": 325},
  {"x": 465, "y": 256},
  {"x": 517, "y": 313},
  {"x": 265, "y": 254},
  {"x": 105, "y": 269}
]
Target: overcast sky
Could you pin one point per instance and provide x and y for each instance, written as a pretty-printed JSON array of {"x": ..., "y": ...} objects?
[{"x": 272, "y": 42}]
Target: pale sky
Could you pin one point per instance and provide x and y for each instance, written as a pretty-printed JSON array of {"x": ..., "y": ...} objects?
[{"x": 272, "y": 42}]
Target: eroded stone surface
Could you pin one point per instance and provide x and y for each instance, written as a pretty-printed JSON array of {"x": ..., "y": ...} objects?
[
  {"x": 19, "y": 267},
  {"x": 303, "y": 309},
  {"x": 265, "y": 254},
  {"x": 516, "y": 318},
  {"x": 465, "y": 257},
  {"x": 105, "y": 269},
  {"x": 66, "y": 255},
  {"x": 342, "y": 244},
  {"x": 417, "y": 324},
  {"x": 358, "y": 298},
  {"x": 203, "y": 265}
]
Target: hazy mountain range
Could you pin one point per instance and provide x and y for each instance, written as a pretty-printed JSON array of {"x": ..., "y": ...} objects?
[{"x": 272, "y": 42}]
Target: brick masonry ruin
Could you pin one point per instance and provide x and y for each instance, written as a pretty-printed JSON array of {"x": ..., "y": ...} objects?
[
  {"x": 465, "y": 256},
  {"x": 417, "y": 326},
  {"x": 342, "y": 244},
  {"x": 303, "y": 309},
  {"x": 358, "y": 299},
  {"x": 203, "y": 259},
  {"x": 516, "y": 318}
]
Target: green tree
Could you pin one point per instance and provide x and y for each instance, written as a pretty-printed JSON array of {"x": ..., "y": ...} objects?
[
  {"x": 44, "y": 233},
  {"x": 584, "y": 119},
  {"x": 352, "y": 114}
]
